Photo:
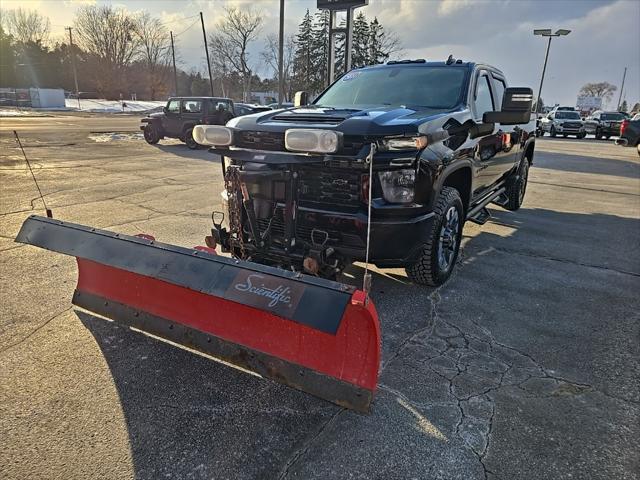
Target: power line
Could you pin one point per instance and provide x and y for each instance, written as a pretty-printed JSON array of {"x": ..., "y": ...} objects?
[{"x": 180, "y": 33}]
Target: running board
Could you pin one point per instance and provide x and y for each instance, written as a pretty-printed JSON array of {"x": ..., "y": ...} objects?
[{"x": 479, "y": 214}]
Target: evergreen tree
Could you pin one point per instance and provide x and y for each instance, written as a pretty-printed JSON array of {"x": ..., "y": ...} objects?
[
  {"x": 302, "y": 63},
  {"x": 624, "y": 107},
  {"x": 377, "y": 39},
  {"x": 320, "y": 49},
  {"x": 361, "y": 39}
]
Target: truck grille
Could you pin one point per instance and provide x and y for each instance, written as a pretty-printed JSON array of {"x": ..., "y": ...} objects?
[
  {"x": 304, "y": 232},
  {"x": 572, "y": 125},
  {"x": 274, "y": 141},
  {"x": 261, "y": 140},
  {"x": 319, "y": 186}
]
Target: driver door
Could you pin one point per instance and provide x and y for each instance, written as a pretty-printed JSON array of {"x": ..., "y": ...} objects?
[
  {"x": 495, "y": 154},
  {"x": 171, "y": 122}
]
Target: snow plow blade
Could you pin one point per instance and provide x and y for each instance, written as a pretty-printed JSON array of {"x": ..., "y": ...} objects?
[{"x": 318, "y": 336}]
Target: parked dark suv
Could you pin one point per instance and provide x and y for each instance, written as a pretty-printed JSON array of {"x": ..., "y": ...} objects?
[
  {"x": 604, "y": 124},
  {"x": 181, "y": 114}
]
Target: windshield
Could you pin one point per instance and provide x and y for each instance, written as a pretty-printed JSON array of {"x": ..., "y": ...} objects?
[
  {"x": 414, "y": 87},
  {"x": 612, "y": 116},
  {"x": 568, "y": 115}
]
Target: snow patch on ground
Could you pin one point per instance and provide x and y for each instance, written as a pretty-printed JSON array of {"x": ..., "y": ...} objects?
[
  {"x": 115, "y": 136},
  {"x": 10, "y": 112},
  {"x": 113, "y": 106}
]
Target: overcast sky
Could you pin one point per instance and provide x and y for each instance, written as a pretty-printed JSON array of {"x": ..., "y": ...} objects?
[{"x": 605, "y": 35}]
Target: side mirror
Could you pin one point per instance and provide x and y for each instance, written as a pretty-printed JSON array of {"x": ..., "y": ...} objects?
[
  {"x": 165, "y": 110},
  {"x": 220, "y": 107},
  {"x": 516, "y": 107},
  {"x": 481, "y": 130},
  {"x": 301, "y": 99}
]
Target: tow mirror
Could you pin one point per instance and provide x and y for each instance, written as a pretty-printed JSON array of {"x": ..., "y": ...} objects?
[
  {"x": 481, "y": 130},
  {"x": 301, "y": 99},
  {"x": 516, "y": 107}
]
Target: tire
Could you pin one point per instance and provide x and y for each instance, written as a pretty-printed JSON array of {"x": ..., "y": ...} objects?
[
  {"x": 598, "y": 134},
  {"x": 607, "y": 137},
  {"x": 440, "y": 251},
  {"x": 552, "y": 132},
  {"x": 188, "y": 139},
  {"x": 151, "y": 134},
  {"x": 518, "y": 187},
  {"x": 581, "y": 135},
  {"x": 565, "y": 135}
]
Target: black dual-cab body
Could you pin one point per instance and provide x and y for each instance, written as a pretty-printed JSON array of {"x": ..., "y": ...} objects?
[
  {"x": 448, "y": 138},
  {"x": 181, "y": 114}
]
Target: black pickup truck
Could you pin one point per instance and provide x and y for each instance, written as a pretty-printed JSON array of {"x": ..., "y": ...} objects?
[{"x": 442, "y": 140}]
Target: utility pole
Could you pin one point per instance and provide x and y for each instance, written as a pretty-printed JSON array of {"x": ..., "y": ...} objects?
[
  {"x": 624, "y": 75},
  {"x": 173, "y": 56},
  {"x": 281, "y": 56},
  {"x": 206, "y": 50},
  {"x": 73, "y": 63}
]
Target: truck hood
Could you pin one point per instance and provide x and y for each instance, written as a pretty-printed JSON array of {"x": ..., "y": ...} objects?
[{"x": 379, "y": 120}]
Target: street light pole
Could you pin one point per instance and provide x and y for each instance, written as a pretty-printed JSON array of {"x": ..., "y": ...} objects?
[
  {"x": 544, "y": 69},
  {"x": 546, "y": 32},
  {"x": 281, "y": 56}
]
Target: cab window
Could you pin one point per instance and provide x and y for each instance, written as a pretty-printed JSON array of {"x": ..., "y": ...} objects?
[
  {"x": 192, "y": 106},
  {"x": 173, "y": 106},
  {"x": 500, "y": 87},
  {"x": 483, "y": 101}
]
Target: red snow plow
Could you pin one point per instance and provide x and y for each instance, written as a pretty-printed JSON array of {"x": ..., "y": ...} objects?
[{"x": 312, "y": 334}]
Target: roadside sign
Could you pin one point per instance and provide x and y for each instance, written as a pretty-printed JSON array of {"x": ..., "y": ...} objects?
[
  {"x": 341, "y": 4},
  {"x": 588, "y": 102}
]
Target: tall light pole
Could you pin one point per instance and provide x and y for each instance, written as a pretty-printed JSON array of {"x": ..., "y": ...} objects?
[
  {"x": 546, "y": 32},
  {"x": 281, "y": 56}
]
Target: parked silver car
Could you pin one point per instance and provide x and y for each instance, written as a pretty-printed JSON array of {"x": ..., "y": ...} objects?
[{"x": 563, "y": 122}]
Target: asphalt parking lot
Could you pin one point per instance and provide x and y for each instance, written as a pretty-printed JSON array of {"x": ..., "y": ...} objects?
[{"x": 524, "y": 366}]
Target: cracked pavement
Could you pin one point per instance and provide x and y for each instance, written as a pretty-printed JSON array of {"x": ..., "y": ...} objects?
[{"x": 524, "y": 365}]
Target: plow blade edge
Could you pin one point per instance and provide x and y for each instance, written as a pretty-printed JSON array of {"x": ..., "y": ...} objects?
[{"x": 312, "y": 334}]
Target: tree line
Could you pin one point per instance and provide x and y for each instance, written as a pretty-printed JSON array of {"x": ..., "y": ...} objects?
[{"x": 118, "y": 53}]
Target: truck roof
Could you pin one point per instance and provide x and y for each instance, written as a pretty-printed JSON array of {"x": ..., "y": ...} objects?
[{"x": 418, "y": 63}]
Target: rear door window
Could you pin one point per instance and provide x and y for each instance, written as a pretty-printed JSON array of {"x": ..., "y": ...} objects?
[{"x": 191, "y": 106}]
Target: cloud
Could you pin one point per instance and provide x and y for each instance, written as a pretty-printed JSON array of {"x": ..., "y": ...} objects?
[{"x": 447, "y": 7}]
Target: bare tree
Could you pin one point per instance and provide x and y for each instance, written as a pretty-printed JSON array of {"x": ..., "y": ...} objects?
[
  {"x": 154, "y": 51},
  {"x": 230, "y": 42},
  {"x": 603, "y": 90},
  {"x": 108, "y": 35},
  {"x": 26, "y": 25},
  {"x": 270, "y": 57}
]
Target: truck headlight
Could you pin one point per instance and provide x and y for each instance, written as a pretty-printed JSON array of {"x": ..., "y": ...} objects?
[
  {"x": 214, "y": 135},
  {"x": 402, "y": 143},
  {"x": 312, "y": 140},
  {"x": 398, "y": 186}
]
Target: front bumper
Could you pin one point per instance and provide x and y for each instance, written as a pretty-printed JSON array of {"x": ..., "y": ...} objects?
[
  {"x": 393, "y": 242},
  {"x": 569, "y": 130}
]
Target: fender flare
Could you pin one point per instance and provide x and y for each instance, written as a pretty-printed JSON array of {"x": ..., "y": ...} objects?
[{"x": 447, "y": 171}]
